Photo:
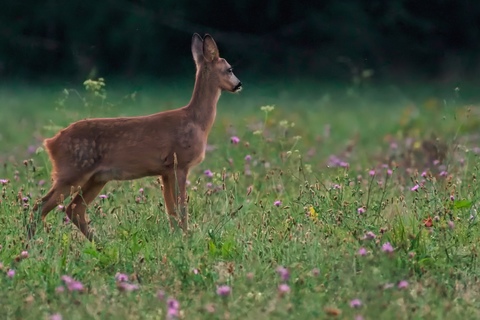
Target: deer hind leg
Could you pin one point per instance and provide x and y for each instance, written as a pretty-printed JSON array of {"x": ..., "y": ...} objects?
[
  {"x": 41, "y": 209},
  {"x": 76, "y": 210}
]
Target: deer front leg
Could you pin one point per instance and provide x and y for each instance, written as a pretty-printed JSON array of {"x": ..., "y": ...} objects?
[
  {"x": 168, "y": 181},
  {"x": 181, "y": 197}
]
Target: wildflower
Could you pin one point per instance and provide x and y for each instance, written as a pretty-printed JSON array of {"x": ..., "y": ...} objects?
[
  {"x": 283, "y": 289},
  {"x": 4, "y": 181},
  {"x": 11, "y": 273},
  {"x": 72, "y": 284},
  {"x": 424, "y": 174},
  {"x": 24, "y": 254},
  {"x": 160, "y": 295},
  {"x": 315, "y": 272},
  {"x": 283, "y": 273},
  {"x": 362, "y": 252},
  {"x": 41, "y": 182},
  {"x": 277, "y": 203},
  {"x": 443, "y": 173},
  {"x": 312, "y": 213},
  {"x": 56, "y": 316},
  {"x": 371, "y": 173},
  {"x": 451, "y": 225},
  {"x": 121, "y": 277},
  {"x": 389, "y": 172},
  {"x": 402, "y": 284},
  {"x": 428, "y": 222},
  {"x": 361, "y": 210},
  {"x": 224, "y": 291},
  {"x": 103, "y": 196},
  {"x": 411, "y": 254},
  {"x": 415, "y": 187},
  {"x": 387, "y": 247},
  {"x": 208, "y": 173},
  {"x": 209, "y": 185},
  {"x": 452, "y": 197},
  {"x": 60, "y": 289},
  {"x": 356, "y": 303},
  {"x": 125, "y": 286},
  {"x": 140, "y": 190},
  {"x": 369, "y": 235},
  {"x": 173, "y": 308},
  {"x": 25, "y": 199},
  {"x": 235, "y": 140},
  {"x": 248, "y": 158}
]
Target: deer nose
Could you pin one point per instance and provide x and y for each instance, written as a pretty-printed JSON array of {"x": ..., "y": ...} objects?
[{"x": 238, "y": 86}]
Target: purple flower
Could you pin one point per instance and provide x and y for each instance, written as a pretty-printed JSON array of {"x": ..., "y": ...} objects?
[
  {"x": 283, "y": 289},
  {"x": 451, "y": 225},
  {"x": 371, "y": 173},
  {"x": 121, "y": 277},
  {"x": 283, "y": 273},
  {"x": 11, "y": 273},
  {"x": 125, "y": 286},
  {"x": 140, "y": 190},
  {"x": 452, "y": 197},
  {"x": 361, "y": 210},
  {"x": 356, "y": 303},
  {"x": 415, "y": 187},
  {"x": 235, "y": 140},
  {"x": 56, "y": 316},
  {"x": 72, "y": 284},
  {"x": 24, "y": 254},
  {"x": 402, "y": 284},
  {"x": 208, "y": 173},
  {"x": 173, "y": 304},
  {"x": 424, "y": 174},
  {"x": 224, "y": 291},
  {"x": 248, "y": 158},
  {"x": 277, "y": 203},
  {"x": 3, "y": 181},
  {"x": 443, "y": 173},
  {"x": 362, "y": 252},
  {"x": 369, "y": 235},
  {"x": 389, "y": 172},
  {"x": 387, "y": 247},
  {"x": 103, "y": 196},
  {"x": 161, "y": 295}
]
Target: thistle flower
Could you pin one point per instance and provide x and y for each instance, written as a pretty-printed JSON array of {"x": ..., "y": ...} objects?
[
  {"x": 277, "y": 203},
  {"x": 234, "y": 140},
  {"x": 387, "y": 247},
  {"x": 402, "y": 284},
  {"x": 11, "y": 273},
  {"x": 356, "y": 303},
  {"x": 283, "y": 273},
  {"x": 361, "y": 210},
  {"x": 362, "y": 252},
  {"x": 224, "y": 291},
  {"x": 208, "y": 173},
  {"x": 283, "y": 289}
]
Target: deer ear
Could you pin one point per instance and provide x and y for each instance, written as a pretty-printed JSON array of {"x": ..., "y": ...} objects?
[
  {"x": 210, "y": 50},
  {"x": 197, "y": 48}
]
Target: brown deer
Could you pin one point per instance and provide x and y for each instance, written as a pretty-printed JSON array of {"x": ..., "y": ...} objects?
[{"x": 89, "y": 153}]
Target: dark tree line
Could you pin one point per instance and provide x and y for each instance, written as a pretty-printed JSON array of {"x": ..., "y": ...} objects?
[{"x": 313, "y": 38}]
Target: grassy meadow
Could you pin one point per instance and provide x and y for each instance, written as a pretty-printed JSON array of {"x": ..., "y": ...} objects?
[{"x": 337, "y": 202}]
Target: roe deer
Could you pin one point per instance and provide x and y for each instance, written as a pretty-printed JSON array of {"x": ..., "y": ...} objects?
[{"x": 89, "y": 153}]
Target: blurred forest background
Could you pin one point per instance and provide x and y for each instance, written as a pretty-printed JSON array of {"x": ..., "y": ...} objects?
[{"x": 394, "y": 39}]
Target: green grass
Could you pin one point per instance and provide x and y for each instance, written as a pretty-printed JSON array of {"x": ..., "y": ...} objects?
[{"x": 239, "y": 237}]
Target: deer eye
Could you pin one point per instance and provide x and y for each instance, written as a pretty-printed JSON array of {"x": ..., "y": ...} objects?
[{"x": 230, "y": 70}]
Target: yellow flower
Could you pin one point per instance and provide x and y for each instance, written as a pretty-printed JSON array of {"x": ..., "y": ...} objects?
[{"x": 312, "y": 213}]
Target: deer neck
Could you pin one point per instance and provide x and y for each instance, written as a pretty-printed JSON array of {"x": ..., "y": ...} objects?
[{"x": 203, "y": 105}]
